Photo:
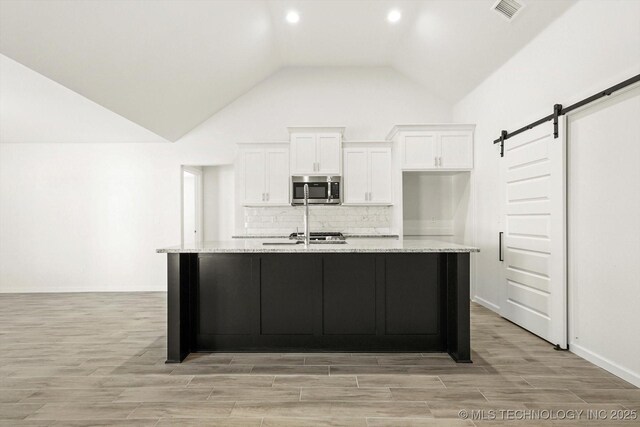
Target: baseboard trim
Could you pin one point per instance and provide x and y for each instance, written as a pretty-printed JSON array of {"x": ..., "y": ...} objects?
[
  {"x": 483, "y": 302},
  {"x": 606, "y": 364},
  {"x": 75, "y": 291}
]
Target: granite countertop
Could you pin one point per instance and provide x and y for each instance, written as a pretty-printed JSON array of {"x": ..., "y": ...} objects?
[{"x": 371, "y": 245}]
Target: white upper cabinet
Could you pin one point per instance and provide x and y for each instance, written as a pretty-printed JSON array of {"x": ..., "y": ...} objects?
[
  {"x": 263, "y": 173},
  {"x": 367, "y": 175},
  {"x": 356, "y": 176},
  {"x": 434, "y": 147},
  {"x": 329, "y": 148},
  {"x": 456, "y": 149},
  {"x": 380, "y": 176},
  {"x": 277, "y": 176},
  {"x": 420, "y": 150},
  {"x": 253, "y": 175},
  {"x": 303, "y": 154},
  {"x": 316, "y": 151}
]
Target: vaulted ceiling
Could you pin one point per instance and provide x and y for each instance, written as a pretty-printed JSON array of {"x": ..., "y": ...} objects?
[{"x": 168, "y": 65}]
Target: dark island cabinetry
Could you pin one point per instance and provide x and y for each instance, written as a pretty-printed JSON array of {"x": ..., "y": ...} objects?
[
  {"x": 289, "y": 294},
  {"x": 318, "y": 302},
  {"x": 349, "y": 294},
  {"x": 228, "y": 295}
]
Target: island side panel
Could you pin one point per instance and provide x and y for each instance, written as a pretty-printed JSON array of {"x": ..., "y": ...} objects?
[
  {"x": 178, "y": 307},
  {"x": 458, "y": 306}
]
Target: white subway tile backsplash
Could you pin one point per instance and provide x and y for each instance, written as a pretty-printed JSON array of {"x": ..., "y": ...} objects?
[{"x": 271, "y": 220}]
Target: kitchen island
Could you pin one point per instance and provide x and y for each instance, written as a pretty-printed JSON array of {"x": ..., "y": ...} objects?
[{"x": 368, "y": 295}]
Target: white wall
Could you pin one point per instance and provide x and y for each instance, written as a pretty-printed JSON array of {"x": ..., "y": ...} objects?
[
  {"x": 590, "y": 47},
  {"x": 594, "y": 45},
  {"x": 604, "y": 233},
  {"x": 36, "y": 109},
  {"x": 88, "y": 215},
  {"x": 368, "y": 101}
]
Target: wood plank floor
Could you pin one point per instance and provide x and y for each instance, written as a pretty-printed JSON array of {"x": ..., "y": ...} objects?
[{"x": 98, "y": 359}]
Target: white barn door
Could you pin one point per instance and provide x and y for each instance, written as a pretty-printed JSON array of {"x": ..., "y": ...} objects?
[{"x": 533, "y": 249}]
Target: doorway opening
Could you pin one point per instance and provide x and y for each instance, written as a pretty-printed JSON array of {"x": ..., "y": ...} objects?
[
  {"x": 191, "y": 224},
  {"x": 207, "y": 211}
]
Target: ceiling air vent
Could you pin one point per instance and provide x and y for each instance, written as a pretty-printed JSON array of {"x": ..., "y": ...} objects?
[{"x": 508, "y": 8}]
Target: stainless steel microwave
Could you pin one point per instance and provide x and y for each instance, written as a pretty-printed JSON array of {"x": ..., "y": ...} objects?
[{"x": 323, "y": 190}]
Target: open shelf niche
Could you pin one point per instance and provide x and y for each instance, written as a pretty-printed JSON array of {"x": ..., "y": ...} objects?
[{"x": 436, "y": 205}]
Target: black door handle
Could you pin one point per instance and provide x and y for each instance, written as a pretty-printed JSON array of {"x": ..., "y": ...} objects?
[{"x": 500, "y": 246}]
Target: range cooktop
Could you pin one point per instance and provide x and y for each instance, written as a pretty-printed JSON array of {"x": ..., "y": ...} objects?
[{"x": 321, "y": 236}]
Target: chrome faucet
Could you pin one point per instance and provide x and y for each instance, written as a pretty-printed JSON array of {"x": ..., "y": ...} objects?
[{"x": 306, "y": 215}]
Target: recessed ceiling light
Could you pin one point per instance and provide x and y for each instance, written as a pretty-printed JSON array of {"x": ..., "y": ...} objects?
[
  {"x": 394, "y": 16},
  {"x": 293, "y": 17}
]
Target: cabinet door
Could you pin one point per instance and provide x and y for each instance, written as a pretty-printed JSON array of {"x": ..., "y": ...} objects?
[
  {"x": 380, "y": 175},
  {"x": 349, "y": 294},
  {"x": 277, "y": 183},
  {"x": 329, "y": 153},
  {"x": 355, "y": 175},
  {"x": 412, "y": 298},
  {"x": 420, "y": 151},
  {"x": 456, "y": 150},
  {"x": 253, "y": 176},
  {"x": 228, "y": 295},
  {"x": 290, "y": 288},
  {"x": 303, "y": 154}
]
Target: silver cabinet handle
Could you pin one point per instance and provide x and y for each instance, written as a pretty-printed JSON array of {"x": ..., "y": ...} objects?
[
  {"x": 435, "y": 159},
  {"x": 267, "y": 196},
  {"x": 440, "y": 160}
]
